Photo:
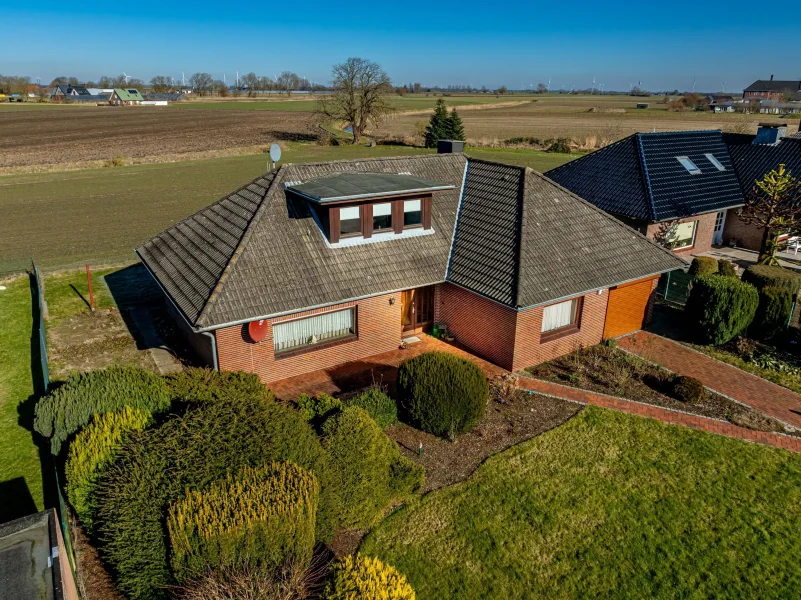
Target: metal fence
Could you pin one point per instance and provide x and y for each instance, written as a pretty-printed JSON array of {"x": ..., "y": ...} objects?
[{"x": 675, "y": 286}]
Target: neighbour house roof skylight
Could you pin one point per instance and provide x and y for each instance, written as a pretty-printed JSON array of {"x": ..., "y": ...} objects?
[
  {"x": 689, "y": 165},
  {"x": 358, "y": 186},
  {"x": 715, "y": 162}
]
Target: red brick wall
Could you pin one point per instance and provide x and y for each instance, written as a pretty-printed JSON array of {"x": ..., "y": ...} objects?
[
  {"x": 529, "y": 351},
  {"x": 740, "y": 233},
  {"x": 485, "y": 327},
  {"x": 704, "y": 232},
  {"x": 378, "y": 327}
]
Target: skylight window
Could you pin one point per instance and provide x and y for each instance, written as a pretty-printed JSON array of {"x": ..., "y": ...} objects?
[
  {"x": 689, "y": 165},
  {"x": 715, "y": 162}
]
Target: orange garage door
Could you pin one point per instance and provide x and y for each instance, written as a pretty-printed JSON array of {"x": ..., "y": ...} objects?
[{"x": 626, "y": 309}]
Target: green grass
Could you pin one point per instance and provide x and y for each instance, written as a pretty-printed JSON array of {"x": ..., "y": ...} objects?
[
  {"x": 20, "y": 470},
  {"x": 607, "y": 506},
  {"x": 789, "y": 379},
  {"x": 67, "y": 293},
  {"x": 100, "y": 215}
]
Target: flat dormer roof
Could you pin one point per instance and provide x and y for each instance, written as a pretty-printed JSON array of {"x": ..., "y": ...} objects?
[{"x": 339, "y": 187}]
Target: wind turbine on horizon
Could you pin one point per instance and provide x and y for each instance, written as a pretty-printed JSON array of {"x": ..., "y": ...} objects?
[{"x": 127, "y": 77}]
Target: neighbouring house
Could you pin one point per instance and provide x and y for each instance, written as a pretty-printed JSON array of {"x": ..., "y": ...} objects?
[
  {"x": 100, "y": 91},
  {"x": 64, "y": 90},
  {"x": 126, "y": 97},
  {"x": 753, "y": 157},
  {"x": 773, "y": 89},
  {"x": 673, "y": 187},
  {"x": 314, "y": 265}
]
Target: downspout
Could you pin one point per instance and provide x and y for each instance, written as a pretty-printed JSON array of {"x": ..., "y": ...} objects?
[{"x": 213, "y": 339}]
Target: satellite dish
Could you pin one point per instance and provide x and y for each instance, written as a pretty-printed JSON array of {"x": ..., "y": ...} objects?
[
  {"x": 257, "y": 330},
  {"x": 275, "y": 153}
]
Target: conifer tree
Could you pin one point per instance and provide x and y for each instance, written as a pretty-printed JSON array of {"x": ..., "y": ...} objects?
[
  {"x": 438, "y": 127},
  {"x": 455, "y": 126}
]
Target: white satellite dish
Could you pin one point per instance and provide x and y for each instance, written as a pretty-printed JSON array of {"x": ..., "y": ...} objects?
[{"x": 275, "y": 153}]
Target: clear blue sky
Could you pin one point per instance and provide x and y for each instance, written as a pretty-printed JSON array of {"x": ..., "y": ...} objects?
[{"x": 662, "y": 44}]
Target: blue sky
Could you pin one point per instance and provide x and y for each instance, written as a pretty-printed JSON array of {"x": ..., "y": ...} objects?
[{"x": 469, "y": 42}]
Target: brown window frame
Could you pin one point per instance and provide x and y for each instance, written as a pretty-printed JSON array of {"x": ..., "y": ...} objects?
[
  {"x": 366, "y": 216},
  {"x": 345, "y": 339},
  {"x": 575, "y": 327}
]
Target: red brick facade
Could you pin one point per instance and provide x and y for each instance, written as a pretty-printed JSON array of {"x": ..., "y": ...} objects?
[
  {"x": 508, "y": 338},
  {"x": 704, "y": 232},
  {"x": 740, "y": 233}
]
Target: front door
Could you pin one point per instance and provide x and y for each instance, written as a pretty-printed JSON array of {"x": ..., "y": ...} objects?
[
  {"x": 720, "y": 221},
  {"x": 417, "y": 310}
]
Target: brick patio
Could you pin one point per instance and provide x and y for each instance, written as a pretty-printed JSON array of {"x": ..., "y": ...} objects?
[{"x": 735, "y": 383}]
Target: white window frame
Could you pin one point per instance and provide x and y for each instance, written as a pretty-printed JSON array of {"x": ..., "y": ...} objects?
[
  {"x": 416, "y": 206},
  {"x": 306, "y": 333},
  {"x": 688, "y": 164},
  {"x": 559, "y": 316},
  {"x": 715, "y": 162},
  {"x": 383, "y": 212},
  {"x": 359, "y": 218},
  {"x": 674, "y": 235}
]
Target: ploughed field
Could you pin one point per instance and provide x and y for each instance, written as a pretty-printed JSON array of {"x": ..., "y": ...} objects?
[{"x": 70, "y": 135}]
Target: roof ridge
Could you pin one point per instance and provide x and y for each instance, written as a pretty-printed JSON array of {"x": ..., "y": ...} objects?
[
  {"x": 646, "y": 178},
  {"x": 607, "y": 216},
  {"x": 242, "y": 241}
]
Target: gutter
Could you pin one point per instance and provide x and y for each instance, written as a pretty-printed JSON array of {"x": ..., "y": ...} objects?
[{"x": 213, "y": 340}]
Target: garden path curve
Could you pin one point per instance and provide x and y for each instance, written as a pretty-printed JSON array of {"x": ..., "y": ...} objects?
[{"x": 758, "y": 393}]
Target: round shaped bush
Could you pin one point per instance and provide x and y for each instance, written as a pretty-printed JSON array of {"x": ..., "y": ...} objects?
[
  {"x": 71, "y": 406},
  {"x": 261, "y": 517},
  {"x": 688, "y": 389},
  {"x": 92, "y": 450},
  {"x": 367, "y": 578},
  {"x": 442, "y": 394},
  {"x": 200, "y": 384},
  {"x": 361, "y": 457},
  {"x": 720, "y": 308},
  {"x": 703, "y": 265},
  {"x": 773, "y": 313},
  {"x": 761, "y": 276},
  {"x": 726, "y": 268},
  {"x": 380, "y": 406},
  {"x": 158, "y": 466}
]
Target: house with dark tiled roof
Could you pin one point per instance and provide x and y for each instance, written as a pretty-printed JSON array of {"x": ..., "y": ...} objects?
[
  {"x": 314, "y": 265},
  {"x": 773, "y": 89},
  {"x": 65, "y": 90},
  {"x": 675, "y": 187},
  {"x": 753, "y": 156}
]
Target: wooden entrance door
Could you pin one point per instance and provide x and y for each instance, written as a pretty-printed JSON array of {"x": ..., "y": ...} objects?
[
  {"x": 627, "y": 308},
  {"x": 417, "y": 310}
]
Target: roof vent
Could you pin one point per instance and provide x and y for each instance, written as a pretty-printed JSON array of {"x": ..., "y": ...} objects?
[
  {"x": 289, "y": 184},
  {"x": 449, "y": 146},
  {"x": 770, "y": 134},
  {"x": 404, "y": 173}
]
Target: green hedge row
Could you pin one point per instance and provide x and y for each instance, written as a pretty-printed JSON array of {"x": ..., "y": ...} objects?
[{"x": 720, "y": 308}]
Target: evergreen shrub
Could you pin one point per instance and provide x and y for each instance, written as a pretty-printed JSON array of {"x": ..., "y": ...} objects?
[
  {"x": 720, "y": 308},
  {"x": 381, "y": 407},
  {"x": 367, "y": 578},
  {"x": 773, "y": 313},
  {"x": 762, "y": 276},
  {"x": 703, "y": 265}
]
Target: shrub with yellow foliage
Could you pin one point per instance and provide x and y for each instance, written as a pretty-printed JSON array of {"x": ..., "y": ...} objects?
[
  {"x": 262, "y": 517},
  {"x": 367, "y": 578}
]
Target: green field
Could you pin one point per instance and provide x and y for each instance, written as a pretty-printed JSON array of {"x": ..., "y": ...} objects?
[
  {"x": 21, "y": 488},
  {"x": 607, "y": 506},
  {"x": 100, "y": 215}
]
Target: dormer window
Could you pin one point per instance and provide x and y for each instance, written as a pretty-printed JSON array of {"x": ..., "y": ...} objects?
[{"x": 363, "y": 207}]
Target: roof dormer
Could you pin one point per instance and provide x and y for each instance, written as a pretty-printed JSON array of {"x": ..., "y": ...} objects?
[{"x": 355, "y": 208}]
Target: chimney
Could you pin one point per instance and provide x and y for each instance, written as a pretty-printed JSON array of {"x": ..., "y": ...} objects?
[
  {"x": 771, "y": 77},
  {"x": 449, "y": 146},
  {"x": 770, "y": 134}
]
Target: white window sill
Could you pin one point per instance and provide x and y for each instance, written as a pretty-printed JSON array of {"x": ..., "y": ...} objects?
[{"x": 379, "y": 237}]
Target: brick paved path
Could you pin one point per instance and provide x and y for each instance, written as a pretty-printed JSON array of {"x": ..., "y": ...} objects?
[{"x": 754, "y": 391}]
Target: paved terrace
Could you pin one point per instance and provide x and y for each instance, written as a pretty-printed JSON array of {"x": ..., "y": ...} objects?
[{"x": 383, "y": 368}]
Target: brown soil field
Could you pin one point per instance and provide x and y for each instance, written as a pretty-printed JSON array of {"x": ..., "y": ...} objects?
[
  {"x": 580, "y": 119},
  {"x": 102, "y": 133}
]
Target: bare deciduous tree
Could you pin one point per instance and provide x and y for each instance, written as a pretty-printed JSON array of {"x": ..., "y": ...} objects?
[
  {"x": 359, "y": 95},
  {"x": 288, "y": 81},
  {"x": 201, "y": 83}
]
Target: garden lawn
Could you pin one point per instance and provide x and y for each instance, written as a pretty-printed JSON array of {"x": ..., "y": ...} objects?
[
  {"x": 20, "y": 471},
  {"x": 607, "y": 506}
]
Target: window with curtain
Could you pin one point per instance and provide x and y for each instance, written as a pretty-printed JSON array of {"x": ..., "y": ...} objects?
[
  {"x": 559, "y": 315},
  {"x": 681, "y": 235},
  {"x": 412, "y": 213},
  {"x": 382, "y": 217},
  {"x": 350, "y": 222},
  {"x": 313, "y": 330}
]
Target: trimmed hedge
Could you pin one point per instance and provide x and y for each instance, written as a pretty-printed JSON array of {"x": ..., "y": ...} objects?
[
  {"x": 442, "y": 394},
  {"x": 318, "y": 407},
  {"x": 367, "y": 578},
  {"x": 703, "y": 265},
  {"x": 726, "y": 268},
  {"x": 199, "y": 384},
  {"x": 71, "y": 406},
  {"x": 361, "y": 459},
  {"x": 773, "y": 313},
  {"x": 688, "y": 389},
  {"x": 92, "y": 450},
  {"x": 720, "y": 308},
  {"x": 380, "y": 406},
  {"x": 406, "y": 477},
  {"x": 258, "y": 518},
  {"x": 157, "y": 466},
  {"x": 761, "y": 276}
]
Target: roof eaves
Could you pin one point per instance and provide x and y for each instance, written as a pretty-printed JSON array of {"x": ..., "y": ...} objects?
[{"x": 646, "y": 180}]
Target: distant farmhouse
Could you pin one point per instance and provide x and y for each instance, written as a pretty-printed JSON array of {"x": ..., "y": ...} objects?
[
  {"x": 64, "y": 90},
  {"x": 773, "y": 89},
  {"x": 126, "y": 97}
]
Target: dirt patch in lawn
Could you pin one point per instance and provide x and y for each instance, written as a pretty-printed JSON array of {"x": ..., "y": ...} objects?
[
  {"x": 608, "y": 370},
  {"x": 507, "y": 422}
]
